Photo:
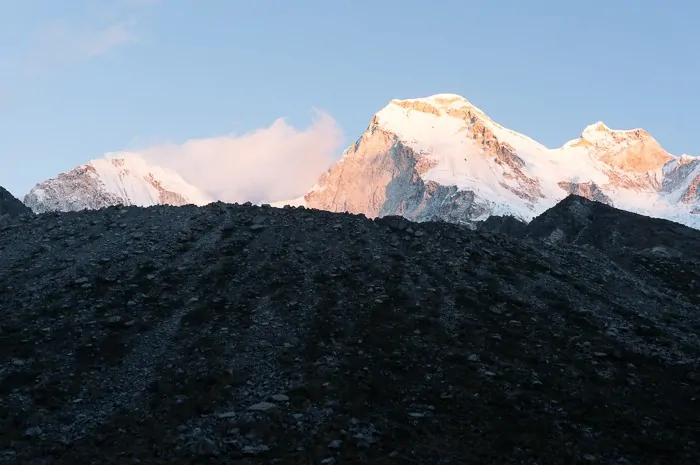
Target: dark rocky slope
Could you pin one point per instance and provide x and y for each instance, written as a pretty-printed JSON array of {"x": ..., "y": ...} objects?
[
  {"x": 236, "y": 334},
  {"x": 579, "y": 221},
  {"x": 508, "y": 225},
  {"x": 9, "y": 205}
]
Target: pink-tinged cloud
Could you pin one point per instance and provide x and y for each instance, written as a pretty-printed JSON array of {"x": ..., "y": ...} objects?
[{"x": 275, "y": 163}]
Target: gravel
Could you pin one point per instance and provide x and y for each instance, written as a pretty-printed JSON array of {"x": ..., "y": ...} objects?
[{"x": 241, "y": 334}]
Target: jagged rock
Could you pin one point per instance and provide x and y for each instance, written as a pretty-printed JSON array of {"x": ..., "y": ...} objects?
[
  {"x": 262, "y": 407},
  {"x": 380, "y": 339}
]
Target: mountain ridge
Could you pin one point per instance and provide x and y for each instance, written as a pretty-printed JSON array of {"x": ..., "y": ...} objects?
[
  {"x": 440, "y": 157},
  {"x": 116, "y": 179},
  {"x": 579, "y": 221},
  {"x": 443, "y": 158}
]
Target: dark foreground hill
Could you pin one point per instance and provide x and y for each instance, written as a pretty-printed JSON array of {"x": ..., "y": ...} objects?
[
  {"x": 243, "y": 335},
  {"x": 579, "y": 221},
  {"x": 9, "y": 205}
]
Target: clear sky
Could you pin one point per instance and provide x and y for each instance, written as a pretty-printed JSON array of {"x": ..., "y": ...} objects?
[{"x": 80, "y": 78}]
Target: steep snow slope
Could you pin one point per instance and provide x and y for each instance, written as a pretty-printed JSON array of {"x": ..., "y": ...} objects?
[
  {"x": 119, "y": 178},
  {"x": 441, "y": 157}
]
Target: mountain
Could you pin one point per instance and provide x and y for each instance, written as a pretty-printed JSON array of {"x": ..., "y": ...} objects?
[
  {"x": 579, "y": 221},
  {"x": 582, "y": 222},
  {"x": 9, "y": 205},
  {"x": 286, "y": 336},
  {"x": 123, "y": 178},
  {"x": 442, "y": 158},
  {"x": 662, "y": 249}
]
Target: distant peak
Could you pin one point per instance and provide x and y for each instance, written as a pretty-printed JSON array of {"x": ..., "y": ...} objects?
[
  {"x": 598, "y": 126},
  {"x": 438, "y": 100},
  {"x": 437, "y": 105},
  {"x": 600, "y": 129},
  {"x": 445, "y": 97}
]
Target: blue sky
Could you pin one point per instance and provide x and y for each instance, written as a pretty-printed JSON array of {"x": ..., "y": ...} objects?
[{"x": 83, "y": 77}]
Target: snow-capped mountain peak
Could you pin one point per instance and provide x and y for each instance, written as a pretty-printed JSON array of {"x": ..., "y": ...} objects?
[
  {"x": 633, "y": 151},
  {"x": 441, "y": 157},
  {"x": 598, "y": 127},
  {"x": 600, "y": 134},
  {"x": 118, "y": 178},
  {"x": 445, "y": 119}
]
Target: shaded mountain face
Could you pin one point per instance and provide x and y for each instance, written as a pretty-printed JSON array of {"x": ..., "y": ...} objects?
[
  {"x": 266, "y": 335},
  {"x": 11, "y": 206},
  {"x": 123, "y": 180},
  {"x": 582, "y": 222},
  {"x": 442, "y": 158},
  {"x": 508, "y": 225}
]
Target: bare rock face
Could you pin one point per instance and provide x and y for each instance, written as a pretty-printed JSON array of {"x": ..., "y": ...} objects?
[
  {"x": 375, "y": 159},
  {"x": 391, "y": 183},
  {"x": 442, "y": 158},
  {"x": 683, "y": 175},
  {"x": 589, "y": 190},
  {"x": 76, "y": 190}
]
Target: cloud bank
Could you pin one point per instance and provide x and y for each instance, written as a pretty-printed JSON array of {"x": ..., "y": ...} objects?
[{"x": 271, "y": 164}]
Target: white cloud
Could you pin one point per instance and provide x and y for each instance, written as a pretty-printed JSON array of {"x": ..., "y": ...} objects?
[{"x": 271, "y": 164}]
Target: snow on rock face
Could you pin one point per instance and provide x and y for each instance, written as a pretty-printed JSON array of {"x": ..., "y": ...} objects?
[
  {"x": 442, "y": 158},
  {"x": 632, "y": 151},
  {"x": 119, "y": 178},
  {"x": 393, "y": 182}
]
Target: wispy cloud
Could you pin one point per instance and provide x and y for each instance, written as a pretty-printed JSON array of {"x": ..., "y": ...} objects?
[
  {"x": 275, "y": 163},
  {"x": 60, "y": 44},
  {"x": 110, "y": 37},
  {"x": 67, "y": 41}
]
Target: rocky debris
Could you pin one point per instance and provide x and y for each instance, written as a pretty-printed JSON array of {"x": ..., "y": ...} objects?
[
  {"x": 507, "y": 225},
  {"x": 132, "y": 335},
  {"x": 9, "y": 205}
]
